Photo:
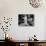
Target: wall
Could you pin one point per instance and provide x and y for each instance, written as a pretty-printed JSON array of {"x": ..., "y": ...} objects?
[{"x": 11, "y": 8}]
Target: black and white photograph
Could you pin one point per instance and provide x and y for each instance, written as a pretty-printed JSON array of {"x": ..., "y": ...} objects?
[{"x": 26, "y": 19}]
